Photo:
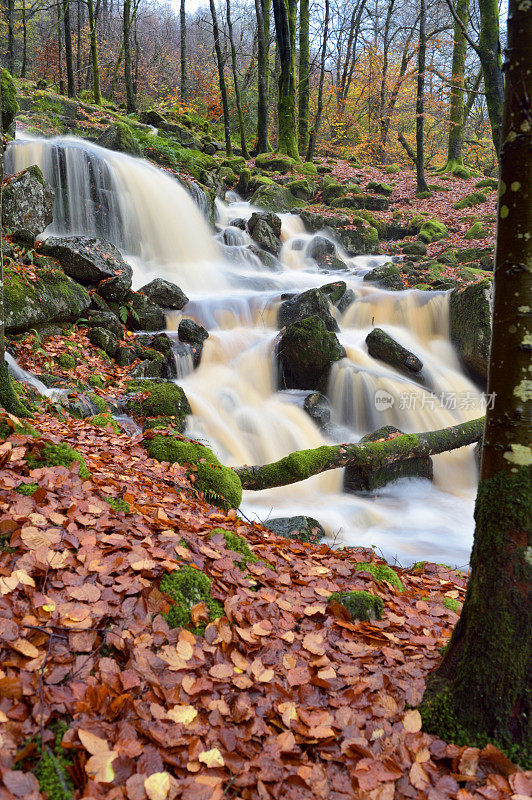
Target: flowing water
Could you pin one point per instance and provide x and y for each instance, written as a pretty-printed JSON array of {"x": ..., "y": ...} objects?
[{"x": 236, "y": 404}]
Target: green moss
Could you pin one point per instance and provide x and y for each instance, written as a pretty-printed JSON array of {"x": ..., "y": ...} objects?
[
  {"x": 238, "y": 545},
  {"x": 459, "y": 171},
  {"x": 306, "y": 168},
  {"x": 187, "y": 587},
  {"x": 432, "y": 230},
  {"x": 9, "y": 98},
  {"x": 220, "y": 484},
  {"x": 58, "y": 455},
  {"x": 392, "y": 169},
  {"x": 361, "y": 605},
  {"x": 54, "y": 779},
  {"x": 117, "y": 504},
  {"x": 452, "y": 604},
  {"x": 158, "y": 399},
  {"x": 67, "y": 361},
  {"x": 470, "y": 200},
  {"x": 274, "y": 162},
  {"x": 99, "y": 403},
  {"x": 96, "y": 381},
  {"x": 487, "y": 183},
  {"x": 105, "y": 421},
  {"x": 380, "y": 188},
  {"x": 9, "y": 399},
  {"x": 27, "y": 488},
  {"x": 382, "y": 572}
]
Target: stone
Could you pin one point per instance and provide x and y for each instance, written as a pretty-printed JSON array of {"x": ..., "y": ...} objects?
[
  {"x": 387, "y": 276},
  {"x": 320, "y": 249},
  {"x": 311, "y": 303},
  {"x": 317, "y": 407},
  {"x": 470, "y": 327},
  {"x": 274, "y": 162},
  {"x": 106, "y": 320},
  {"x": 273, "y": 197},
  {"x": 302, "y": 529},
  {"x": 380, "y": 188},
  {"x": 307, "y": 351},
  {"x": 384, "y": 347},
  {"x": 152, "y": 117},
  {"x": 28, "y": 204},
  {"x": 367, "y": 479},
  {"x": 195, "y": 335},
  {"x": 92, "y": 261},
  {"x": 303, "y": 189},
  {"x": 432, "y": 230},
  {"x": 265, "y": 230},
  {"x": 164, "y": 294},
  {"x": 414, "y": 249},
  {"x": 50, "y": 297},
  {"x": 121, "y": 138},
  {"x": 104, "y": 339},
  {"x": 145, "y": 315}
]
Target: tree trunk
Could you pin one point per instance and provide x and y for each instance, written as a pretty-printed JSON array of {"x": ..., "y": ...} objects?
[
  {"x": 183, "y": 51},
  {"x": 238, "y": 102},
  {"x": 420, "y": 100},
  {"x": 94, "y": 55},
  {"x": 456, "y": 113},
  {"x": 262, "y": 78},
  {"x": 11, "y": 36},
  {"x": 303, "y": 464},
  {"x": 483, "y": 688},
  {"x": 78, "y": 47},
  {"x": 24, "y": 42},
  {"x": 126, "y": 28},
  {"x": 304, "y": 75},
  {"x": 71, "y": 86},
  {"x": 60, "y": 52},
  {"x": 285, "y": 13},
  {"x": 317, "y": 119},
  {"x": 221, "y": 77},
  {"x": 410, "y": 153},
  {"x": 489, "y": 51}
]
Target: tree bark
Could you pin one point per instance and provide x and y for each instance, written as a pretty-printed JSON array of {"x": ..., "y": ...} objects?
[
  {"x": 456, "y": 112},
  {"x": 183, "y": 51},
  {"x": 489, "y": 51},
  {"x": 126, "y": 28},
  {"x": 483, "y": 688},
  {"x": 94, "y": 55},
  {"x": 11, "y": 36},
  {"x": 71, "y": 86},
  {"x": 319, "y": 109},
  {"x": 24, "y": 65},
  {"x": 262, "y": 77},
  {"x": 410, "y": 153},
  {"x": 241, "y": 126},
  {"x": 303, "y": 464},
  {"x": 304, "y": 75},
  {"x": 60, "y": 52},
  {"x": 285, "y": 13},
  {"x": 221, "y": 78},
  {"x": 420, "y": 100}
]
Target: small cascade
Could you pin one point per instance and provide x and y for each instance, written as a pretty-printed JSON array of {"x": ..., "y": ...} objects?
[
  {"x": 23, "y": 376},
  {"x": 234, "y": 396}
]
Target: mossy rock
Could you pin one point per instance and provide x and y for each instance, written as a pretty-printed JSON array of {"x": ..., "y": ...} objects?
[
  {"x": 387, "y": 276},
  {"x": 392, "y": 169},
  {"x": 382, "y": 572},
  {"x": 66, "y": 361},
  {"x": 220, "y": 484},
  {"x": 301, "y": 529},
  {"x": 459, "y": 171},
  {"x": 432, "y": 230},
  {"x": 470, "y": 200},
  {"x": 235, "y": 163},
  {"x": 307, "y": 351},
  {"x": 380, "y": 188},
  {"x": 105, "y": 421},
  {"x": 476, "y": 231},
  {"x": 238, "y": 545},
  {"x": 470, "y": 327},
  {"x": 187, "y": 587},
  {"x": 276, "y": 198},
  {"x": 360, "y": 605},
  {"x": 120, "y": 137},
  {"x": 274, "y": 162},
  {"x": 158, "y": 399},
  {"x": 57, "y": 455},
  {"x": 487, "y": 183},
  {"x": 306, "y": 168},
  {"x": 9, "y": 99},
  {"x": 303, "y": 189}
]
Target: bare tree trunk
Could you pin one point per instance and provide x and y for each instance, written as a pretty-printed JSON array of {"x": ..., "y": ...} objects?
[
  {"x": 482, "y": 689},
  {"x": 60, "y": 51},
  {"x": 94, "y": 55},
  {"x": 238, "y": 102},
  {"x": 11, "y": 36},
  {"x": 420, "y": 100},
  {"x": 183, "y": 50},
  {"x": 221, "y": 77},
  {"x": 24, "y": 41},
  {"x": 126, "y": 29},
  {"x": 319, "y": 109}
]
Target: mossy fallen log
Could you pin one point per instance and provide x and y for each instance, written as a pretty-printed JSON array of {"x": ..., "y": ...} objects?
[{"x": 304, "y": 463}]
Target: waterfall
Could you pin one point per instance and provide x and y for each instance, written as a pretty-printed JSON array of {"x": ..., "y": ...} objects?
[{"x": 237, "y": 407}]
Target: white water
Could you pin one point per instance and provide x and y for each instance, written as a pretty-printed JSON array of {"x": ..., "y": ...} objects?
[{"x": 236, "y": 406}]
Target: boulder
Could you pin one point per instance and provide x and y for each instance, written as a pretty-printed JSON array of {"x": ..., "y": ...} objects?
[
  {"x": 274, "y": 162},
  {"x": 156, "y": 398},
  {"x": 470, "y": 200},
  {"x": 380, "y": 188},
  {"x": 28, "y": 204},
  {"x": 303, "y": 189},
  {"x": 367, "y": 479},
  {"x": 104, "y": 339},
  {"x": 303, "y": 529},
  {"x": 164, "y": 294},
  {"x": 307, "y": 351},
  {"x": 382, "y": 346},
  {"x": 92, "y": 262},
  {"x": 311, "y": 303},
  {"x": 184, "y": 136},
  {"x": 387, "y": 276},
  {"x": 193, "y": 334},
  {"x": 359, "y": 200},
  {"x": 356, "y": 236},
  {"x": 321, "y": 249},
  {"x": 120, "y": 137},
  {"x": 432, "y": 230},
  {"x": 145, "y": 315},
  {"x": 317, "y": 407},
  {"x": 159, "y": 344},
  {"x": 152, "y": 117},
  {"x": 265, "y": 228},
  {"x": 470, "y": 327},
  {"x": 106, "y": 320},
  {"x": 50, "y": 297},
  {"x": 273, "y": 197},
  {"x": 414, "y": 249}
]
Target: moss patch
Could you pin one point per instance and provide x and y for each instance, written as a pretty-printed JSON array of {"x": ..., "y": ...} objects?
[
  {"x": 187, "y": 587},
  {"x": 360, "y": 605},
  {"x": 238, "y": 545},
  {"x": 27, "y": 488},
  {"x": 452, "y": 604},
  {"x": 58, "y": 455},
  {"x": 382, "y": 572},
  {"x": 117, "y": 504},
  {"x": 105, "y": 421},
  {"x": 158, "y": 399}
]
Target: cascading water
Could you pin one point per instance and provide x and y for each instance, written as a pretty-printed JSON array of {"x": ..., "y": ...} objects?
[{"x": 236, "y": 406}]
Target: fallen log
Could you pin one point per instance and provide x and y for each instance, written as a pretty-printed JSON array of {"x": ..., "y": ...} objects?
[{"x": 303, "y": 464}]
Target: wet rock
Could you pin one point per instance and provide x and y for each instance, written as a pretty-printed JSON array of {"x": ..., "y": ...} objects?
[
  {"x": 273, "y": 197},
  {"x": 323, "y": 251},
  {"x": 104, "y": 339},
  {"x": 381, "y": 345},
  {"x": 303, "y": 529},
  {"x": 145, "y": 315},
  {"x": 149, "y": 368},
  {"x": 161, "y": 343},
  {"x": 307, "y": 351},
  {"x": 388, "y": 276},
  {"x": 265, "y": 229},
  {"x": 50, "y": 297},
  {"x": 91, "y": 261},
  {"x": 238, "y": 223},
  {"x": 367, "y": 479},
  {"x": 311, "y": 303},
  {"x": 192, "y": 333},
  {"x": 414, "y": 249},
  {"x": 125, "y": 356},
  {"x": 28, "y": 204},
  {"x": 470, "y": 327},
  {"x": 317, "y": 407},
  {"x": 120, "y": 137},
  {"x": 164, "y": 294}
]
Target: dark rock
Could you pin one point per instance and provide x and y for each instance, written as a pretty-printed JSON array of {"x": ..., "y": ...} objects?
[
  {"x": 125, "y": 356},
  {"x": 303, "y": 529},
  {"x": 414, "y": 248},
  {"x": 148, "y": 369},
  {"x": 91, "y": 261},
  {"x": 381, "y": 345},
  {"x": 317, "y": 407},
  {"x": 265, "y": 229},
  {"x": 152, "y": 117},
  {"x": 119, "y": 137},
  {"x": 165, "y": 294},
  {"x": 106, "y": 320},
  {"x": 104, "y": 339},
  {"x": 190, "y": 331},
  {"x": 145, "y": 315},
  {"x": 273, "y": 197},
  {"x": 238, "y": 223},
  {"x": 311, "y": 303},
  {"x": 321, "y": 249},
  {"x": 50, "y": 297},
  {"x": 470, "y": 327},
  {"x": 28, "y": 204},
  {"x": 307, "y": 351},
  {"x": 388, "y": 276},
  {"x": 181, "y": 134},
  {"x": 361, "y": 201},
  {"x": 367, "y": 479},
  {"x": 334, "y": 291}
]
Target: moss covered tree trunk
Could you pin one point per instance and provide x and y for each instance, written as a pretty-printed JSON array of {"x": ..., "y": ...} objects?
[
  {"x": 183, "y": 51},
  {"x": 483, "y": 688},
  {"x": 262, "y": 78},
  {"x": 71, "y": 86},
  {"x": 236, "y": 83},
  {"x": 285, "y": 13},
  {"x": 94, "y": 55},
  {"x": 126, "y": 29},
  {"x": 489, "y": 51},
  {"x": 456, "y": 112},
  {"x": 221, "y": 78},
  {"x": 319, "y": 109},
  {"x": 420, "y": 99},
  {"x": 304, "y": 75}
]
